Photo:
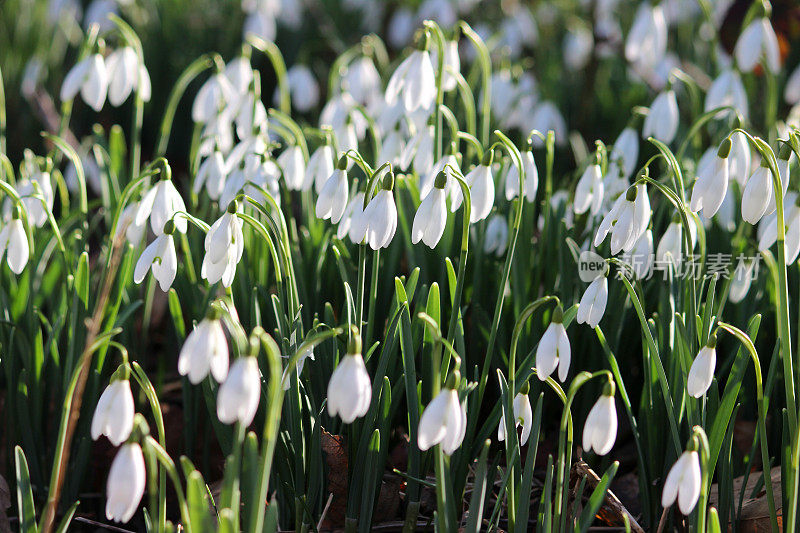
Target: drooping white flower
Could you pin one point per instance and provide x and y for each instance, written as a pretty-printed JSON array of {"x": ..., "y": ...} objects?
[
  {"x": 452, "y": 64},
  {"x": 303, "y": 87},
  {"x": 757, "y": 195},
  {"x": 600, "y": 429},
  {"x": 647, "y": 41},
  {"x": 546, "y": 117},
  {"x": 553, "y": 350},
  {"x": 683, "y": 482},
  {"x": 496, "y": 238},
  {"x": 627, "y": 220},
  {"x": 446, "y": 164},
  {"x": 791, "y": 92},
  {"x": 239, "y": 74},
  {"x": 740, "y": 282},
  {"x": 125, "y": 485},
  {"x": 32, "y": 190},
  {"x": 401, "y": 27},
  {"x": 640, "y": 257},
  {"x": 756, "y": 43},
  {"x": 523, "y": 416},
  {"x": 205, "y": 350},
  {"x": 350, "y": 389},
  {"x": 701, "y": 373},
  {"x": 768, "y": 230},
  {"x": 237, "y": 400},
  {"x": 126, "y": 74},
  {"x": 727, "y": 90},
  {"x": 419, "y": 150},
  {"x": 332, "y": 199},
  {"x": 431, "y": 217},
  {"x": 160, "y": 204},
  {"x": 481, "y": 189},
  {"x": 712, "y": 183},
  {"x": 354, "y": 208},
  {"x": 578, "y": 46},
  {"x": 14, "y": 243},
  {"x": 211, "y": 174},
  {"x": 224, "y": 245},
  {"x": 362, "y": 80},
  {"x": 113, "y": 416},
  {"x": 90, "y": 77},
  {"x": 624, "y": 155},
  {"x": 160, "y": 258},
  {"x": 378, "y": 222},
  {"x": 662, "y": 120},
  {"x": 442, "y": 422},
  {"x": 293, "y": 166},
  {"x": 531, "y": 178},
  {"x": 413, "y": 82},
  {"x": 214, "y": 95},
  {"x": 319, "y": 168},
  {"x": 671, "y": 246},
  {"x": 589, "y": 191},
  {"x": 739, "y": 158},
  {"x": 593, "y": 302}
]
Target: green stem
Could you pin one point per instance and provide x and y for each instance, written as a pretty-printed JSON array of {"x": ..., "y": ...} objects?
[{"x": 486, "y": 76}]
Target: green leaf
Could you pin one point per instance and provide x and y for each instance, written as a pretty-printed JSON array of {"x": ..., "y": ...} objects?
[
  {"x": 177, "y": 313},
  {"x": 82, "y": 279},
  {"x": 27, "y": 511}
]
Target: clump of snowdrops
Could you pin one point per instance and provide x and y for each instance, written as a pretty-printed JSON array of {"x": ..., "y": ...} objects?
[{"x": 409, "y": 257}]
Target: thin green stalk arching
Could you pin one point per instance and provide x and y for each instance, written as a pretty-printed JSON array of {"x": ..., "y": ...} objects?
[
  {"x": 434, "y": 28},
  {"x": 291, "y": 125},
  {"x": 467, "y": 100},
  {"x": 452, "y": 122},
  {"x": 486, "y": 77},
  {"x": 498, "y": 308},
  {"x": 743, "y": 338},
  {"x": 462, "y": 260},
  {"x": 275, "y": 57},
  {"x": 782, "y": 311},
  {"x": 194, "y": 69},
  {"x": 701, "y": 121}
]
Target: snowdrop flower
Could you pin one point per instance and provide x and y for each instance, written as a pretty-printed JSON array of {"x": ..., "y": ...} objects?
[
  {"x": 419, "y": 149},
  {"x": 211, "y": 174},
  {"x": 662, "y": 120},
  {"x": 239, "y": 74},
  {"x": 785, "y": 155},
  {"x": 739, "y": 158},
  {"x": 90, "y": 77},
  {"x": 98, "y": 13},
  {"x": 160, "y": 258},
  {"x": 624, "y": 155},
  {"x": 125, "y": 485},
  {"x": 431, "y": 216},
  {"x": 160, "y": 204},
  {"x": 523, "y": 416},
  {"x": 757, "y": 41},
  {"x": 589, "y": 191},
  {"x": 392, "y": 148},
  {"x": 640, "y": 257},
  {"x": 670, "y": 248},
  {"x": 683, "y": 482},
  {"x": 553, "y": 350},
  {"x": 224, "y": 246},
  {"x": 531, "y": 178},
  {"x": 578, "y": 46},
  {"x": 354, "y": 208},
  {"x": 496, "y": 237},
  {"x": 401, "y": 27},
  {"x": 14, "y": 242},
  {"x": 593, "y": 303},
  {"x": 319, "y": 167},
  {"x": 133, "y": 233},
  {"x": 332, "y": 199},
  {"x": 481, "y": 189},
  {"x": 125, "y": 74},
  {"x": 712, "y": 183},
  {"x": 740, "y": 282},
  {"x": 452, "y": 64},
  {"x": 600, "y": 429},
  {"x": 727, "y": 90},
  {"x": 237, "y": 400},
  {"x": 378, "y": 222},
  {"x": 701, "y": 374},
  {"x": 113, "y": 416},
  {"x": 768, "y": 230},
  {"x": 32, "y": 190},
  {"x": 414, "y": 81},
  {"x": 350, "y": 389},
  {"x": 757, "y": 194},
  {"x": 214, "y": 95},
  {"x": 205, "y": 350},
  {"x": 627, "y": 220},
  {"x": 362, "y": 80},
  {"x": 303, "y": 87},
  {"x": 791, "y": 93},
  {"x": 444, "y": 420},
  {"x": 647, "y": 40},
  {"x": 262, "y": 24},
  {"x": 293, "y": 166}
]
